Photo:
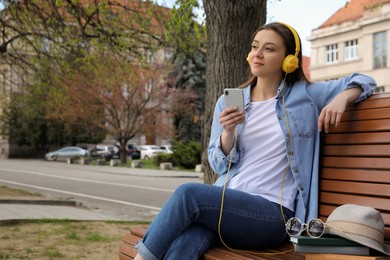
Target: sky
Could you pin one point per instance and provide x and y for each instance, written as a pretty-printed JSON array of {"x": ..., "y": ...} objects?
[
  {"x": 307, "y": 15},
  {"x": 302, "y": 15}
]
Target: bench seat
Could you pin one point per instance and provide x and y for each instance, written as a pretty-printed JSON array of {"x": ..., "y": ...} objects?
[{"x": 354, "y": 168}]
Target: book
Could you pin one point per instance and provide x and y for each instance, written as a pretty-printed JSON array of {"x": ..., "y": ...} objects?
[
  {"x": 323, "y": 249},
  {"x": 343, "y": 257},
  {"x": 327, "y": 240}
]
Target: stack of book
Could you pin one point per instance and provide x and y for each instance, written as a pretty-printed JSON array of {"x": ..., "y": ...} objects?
[{"x": 328, "y": 245}]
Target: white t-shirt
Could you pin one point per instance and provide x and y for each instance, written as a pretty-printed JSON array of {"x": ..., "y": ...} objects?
[{"x": 264, "y": 157}]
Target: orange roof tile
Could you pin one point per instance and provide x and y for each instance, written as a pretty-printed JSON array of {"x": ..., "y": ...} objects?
[{"x": 352, "y": 11}]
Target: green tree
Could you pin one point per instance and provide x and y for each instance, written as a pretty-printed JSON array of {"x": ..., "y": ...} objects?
[
  {"x": 187, "y": 38},
  {"x": 111, "y": 93},
  {"x": 82, "y": 41}
]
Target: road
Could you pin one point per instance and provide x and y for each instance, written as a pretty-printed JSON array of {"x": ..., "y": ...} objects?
[{"x": 122, "y": 192}]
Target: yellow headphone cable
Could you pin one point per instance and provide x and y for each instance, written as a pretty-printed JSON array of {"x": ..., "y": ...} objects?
[{"x": 281, "y": 189}]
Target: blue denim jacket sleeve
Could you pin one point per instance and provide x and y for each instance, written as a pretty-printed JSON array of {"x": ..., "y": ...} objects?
[{"x": 324, "y": 92}]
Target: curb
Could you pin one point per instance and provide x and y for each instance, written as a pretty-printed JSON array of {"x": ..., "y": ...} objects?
[{"x": 40, "y": 202}]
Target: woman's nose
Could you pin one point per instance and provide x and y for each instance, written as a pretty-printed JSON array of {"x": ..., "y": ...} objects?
[{"x": 258, "y": 53}]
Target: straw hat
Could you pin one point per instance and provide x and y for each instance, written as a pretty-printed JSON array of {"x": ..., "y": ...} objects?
[{"x": 363, "y": 225}]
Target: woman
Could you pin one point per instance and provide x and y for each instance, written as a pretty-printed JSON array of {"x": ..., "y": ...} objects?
[{"x": 267, "y": 156}]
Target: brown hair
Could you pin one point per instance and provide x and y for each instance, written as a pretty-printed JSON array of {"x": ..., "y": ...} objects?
[{"x": 289, "y": 42}]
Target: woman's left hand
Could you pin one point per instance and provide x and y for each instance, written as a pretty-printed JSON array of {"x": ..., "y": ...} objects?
[{"x": 331, "y": 113}]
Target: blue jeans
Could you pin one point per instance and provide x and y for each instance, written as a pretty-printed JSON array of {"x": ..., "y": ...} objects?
[{"x": 187, "y": 225}]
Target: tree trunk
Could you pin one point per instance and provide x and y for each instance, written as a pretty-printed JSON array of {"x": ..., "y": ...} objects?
[
  {"x": 230, "y": 25},
  {"x": 122, "y": 151}
]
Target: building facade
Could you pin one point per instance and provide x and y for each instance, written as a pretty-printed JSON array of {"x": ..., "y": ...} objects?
[{"x": 354, "y": 39}]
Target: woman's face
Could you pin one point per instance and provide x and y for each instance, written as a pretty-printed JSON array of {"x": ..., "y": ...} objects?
[{"x": 267, "y": 54}]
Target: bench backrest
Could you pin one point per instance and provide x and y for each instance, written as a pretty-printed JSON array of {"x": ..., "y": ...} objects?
[{"x": 355, "y": 159}]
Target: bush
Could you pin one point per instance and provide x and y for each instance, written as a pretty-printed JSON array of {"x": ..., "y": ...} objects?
[
  {"x": 187, "y": 155},
  {"x": 163, "y": 158}
]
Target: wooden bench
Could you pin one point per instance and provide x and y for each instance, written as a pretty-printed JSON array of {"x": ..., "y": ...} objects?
[{"x": 355, "y": 168}]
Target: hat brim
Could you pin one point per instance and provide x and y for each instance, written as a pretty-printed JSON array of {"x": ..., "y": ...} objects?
[{"x": 365, "y": 241}]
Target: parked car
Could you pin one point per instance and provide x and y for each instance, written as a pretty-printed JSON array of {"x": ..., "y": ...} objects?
[
  {"x": 133, "y": 151},
  {"x": 149, "y": 151},
  {"x": 167, "y": 148},
  {"x": 107, "y": 152},
  {"x": 65, "y": 153}
]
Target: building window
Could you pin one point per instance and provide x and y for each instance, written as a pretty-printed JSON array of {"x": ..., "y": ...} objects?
[
  {"x": 332, "y": 54},
  {"x": 380, "y": 50},
  {"x": 351, "y": 50}
]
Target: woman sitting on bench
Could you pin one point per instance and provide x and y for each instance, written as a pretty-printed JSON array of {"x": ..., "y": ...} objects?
[{"x": 267, "y": 156}]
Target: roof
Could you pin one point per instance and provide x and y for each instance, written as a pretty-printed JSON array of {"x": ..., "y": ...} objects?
[{"x": 352, "y": 11}]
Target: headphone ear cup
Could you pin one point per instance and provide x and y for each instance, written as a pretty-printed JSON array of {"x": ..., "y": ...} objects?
[{"x": 290, "y": 63}]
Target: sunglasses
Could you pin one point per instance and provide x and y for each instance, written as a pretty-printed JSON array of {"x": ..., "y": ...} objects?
[{"x": 315, "y": 228}]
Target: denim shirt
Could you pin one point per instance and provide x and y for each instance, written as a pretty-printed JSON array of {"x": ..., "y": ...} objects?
[{"x": 304, "y": 102}]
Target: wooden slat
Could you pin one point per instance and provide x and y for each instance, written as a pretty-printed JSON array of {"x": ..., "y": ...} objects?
[
  {"x": 139, "y": 231},
  {"x": 362, "y": 126},
  {"x": 326, "y": 209},
  {"x": 376, "y": 100},
  {"x": 382, "y": 150},
  {"x": 131, "y": 238},
  {"x": 283, "y": 252},
  {"x": 366, "y": 175},
  {"x": 367, "y": 189},
  {"x": 338, "y": 198},
  {"x": 127, "y": 250},
  {"x": 356, "y": 138},
  {"x": 350, "y": 162},
  {"x": 343, "y": 257},
  {"x": 367, "y": 114}
]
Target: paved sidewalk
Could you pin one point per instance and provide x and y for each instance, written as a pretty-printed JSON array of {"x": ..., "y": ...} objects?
[
  {"x": 140, "y": 171},
  {"x": 13, "y": 212},
  {"x": 27, "y": 209}
]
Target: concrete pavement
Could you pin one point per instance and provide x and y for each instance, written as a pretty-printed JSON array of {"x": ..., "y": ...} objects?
[{"x": 16, "y": 209}]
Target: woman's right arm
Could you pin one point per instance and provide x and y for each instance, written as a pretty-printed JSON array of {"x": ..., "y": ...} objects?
[{"x": 223, "y": 136}]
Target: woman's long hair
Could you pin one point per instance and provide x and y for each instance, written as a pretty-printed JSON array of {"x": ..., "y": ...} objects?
[{"x": 289, "y": 42}]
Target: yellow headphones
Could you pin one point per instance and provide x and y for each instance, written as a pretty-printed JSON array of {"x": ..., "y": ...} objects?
[{"x": 291, "y": 62}]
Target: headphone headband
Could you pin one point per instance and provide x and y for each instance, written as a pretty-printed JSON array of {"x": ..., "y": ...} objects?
[
  {"x": 291, "y": 62},
  {"x": 296, "y": 38}
]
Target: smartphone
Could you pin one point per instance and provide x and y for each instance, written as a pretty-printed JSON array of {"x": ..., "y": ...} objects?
[{"x": 234, "y": 97}]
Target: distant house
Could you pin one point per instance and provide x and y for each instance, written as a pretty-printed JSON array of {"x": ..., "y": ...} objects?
[{"x": 354, "y": 39}]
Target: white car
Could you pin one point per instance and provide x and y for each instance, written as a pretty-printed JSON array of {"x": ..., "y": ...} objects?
[
  {"x": 149, "y": 151},
  {"x": 167, "y": 148},
  {"x": 65, "y": 153}
]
